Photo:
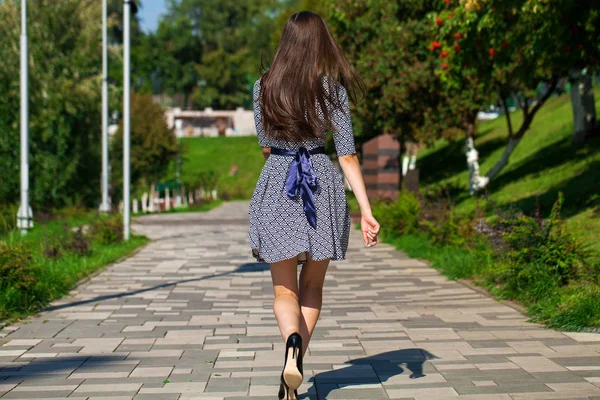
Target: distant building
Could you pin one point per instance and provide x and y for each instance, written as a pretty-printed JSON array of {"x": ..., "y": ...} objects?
[{"x": 209, "y": 122}]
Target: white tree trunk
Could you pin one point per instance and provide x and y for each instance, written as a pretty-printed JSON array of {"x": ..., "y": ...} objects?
[
  {"x": 503, "y": 161},
  {"x": 476, "y": 181},
  {"x": 584, "y": 107},
  {"x": 404, "y": 165}
]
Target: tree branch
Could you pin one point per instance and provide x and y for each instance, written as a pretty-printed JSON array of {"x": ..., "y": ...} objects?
[
  {"x": 506, "y": 113},
  {"x": 529, "y": 114},
  {"x": 546, "y": 96}
]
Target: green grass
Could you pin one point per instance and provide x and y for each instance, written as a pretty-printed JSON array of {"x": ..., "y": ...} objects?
[
  {"x": 219, "y": 154},
  {"x": 544, "y": 163},
  {"x": 455, "y": 262},
  {"x": 55, "y": 277}
]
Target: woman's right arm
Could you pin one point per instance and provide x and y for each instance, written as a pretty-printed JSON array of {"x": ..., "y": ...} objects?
[
  {"x": 343, "y": 136},
  {"x": 368, "y": 224}
]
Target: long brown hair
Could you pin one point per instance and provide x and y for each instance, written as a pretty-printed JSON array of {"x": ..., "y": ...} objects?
[{"x": 294, "y": 89}]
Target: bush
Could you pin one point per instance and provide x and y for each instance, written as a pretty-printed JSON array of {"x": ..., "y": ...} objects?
[
  {"x": 107, "y": 230},
  {"x": 208, "y": 180},
  {"x": 17, "y": 267},
  {"x": 398, "y": 217},
  {"x": 539, "y": 255},
  {"x": 8, "y": 218},
  {"x": 80, "y": 243},
  {"x": 440, "y": 221}
]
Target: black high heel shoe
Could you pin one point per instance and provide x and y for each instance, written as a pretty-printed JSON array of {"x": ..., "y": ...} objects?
[{"x": 291, "y": 376}]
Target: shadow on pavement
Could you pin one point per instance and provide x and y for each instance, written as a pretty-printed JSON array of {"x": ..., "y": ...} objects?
[
  {"x": 244, "y": 268},
  {"x": 374, "y": 369}
]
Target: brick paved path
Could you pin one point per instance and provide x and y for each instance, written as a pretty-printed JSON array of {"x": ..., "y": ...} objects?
[{"x": 189, "y": 317}]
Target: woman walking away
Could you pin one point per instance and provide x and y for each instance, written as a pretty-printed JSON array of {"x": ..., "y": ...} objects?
[{"x": 298, "y": 212}]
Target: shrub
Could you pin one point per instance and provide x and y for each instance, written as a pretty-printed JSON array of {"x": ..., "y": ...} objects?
[
  {"x": 208, "y": 180},
  {"x": 8, "y": 218},
  {"x": 539, "y": 255},
  {"x": 440, "y": 220},
  {"x": 52, "y": 250},
  {"x": 107, "y": 230},
  {"x": 80, "y": 243},
  {"x": 398, "y": 217},
  {"x": 17, "y": 267}
]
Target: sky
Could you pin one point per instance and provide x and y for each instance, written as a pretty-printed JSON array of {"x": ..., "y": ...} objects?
[{"x": 150, "y": 13}]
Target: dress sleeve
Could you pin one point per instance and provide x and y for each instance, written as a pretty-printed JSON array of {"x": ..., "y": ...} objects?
[
  {"x": 260, "y": 131},
  {"x": 343, "y": 134}
]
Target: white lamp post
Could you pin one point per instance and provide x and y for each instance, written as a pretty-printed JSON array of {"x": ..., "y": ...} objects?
[
  {"x": 129, "y": 6},
  {"x": 105, "y": 204},
  {"x": 126, "y": 117},
  {"x": 25, "y": 215}
]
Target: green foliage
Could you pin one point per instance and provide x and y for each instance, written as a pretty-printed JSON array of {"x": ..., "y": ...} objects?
[
  {"x": 539, "y": 255},
  {"x": 37, "y": 277},
  {"x": 512, "y": 48},
  {"x": 578, "y": 306},
  {"x": 386, "y": 43},
  {"x": 107, "y": 230},
  {"x": 211, "y": 51},
  {"x": 293, "y": 6},
  {"x": 398, "y": 217},
  {"x": 8, "y": 218},
  {"x": 456, "y": 262},
  {"x": 64, "y": 128},
  {"x": 208, "y": 180},
  {"x": 153, "y": 145},
  {"x": 17, "y": 267}
]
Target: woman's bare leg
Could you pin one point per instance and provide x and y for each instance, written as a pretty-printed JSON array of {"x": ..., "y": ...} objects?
[
  {"x": 286, "y": 305},
  {"x": 312, "y": 278}
]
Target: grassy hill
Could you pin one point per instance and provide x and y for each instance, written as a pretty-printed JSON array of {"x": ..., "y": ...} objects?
[
  {"x": 219, "y": 154},
  {"x": 545, "y": 162}
]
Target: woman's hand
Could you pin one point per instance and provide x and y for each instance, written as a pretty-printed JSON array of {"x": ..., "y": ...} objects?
[{"x": 370, "y": 229}]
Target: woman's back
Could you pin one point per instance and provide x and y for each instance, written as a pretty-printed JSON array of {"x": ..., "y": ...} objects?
[{"x": 340, "y": 120}]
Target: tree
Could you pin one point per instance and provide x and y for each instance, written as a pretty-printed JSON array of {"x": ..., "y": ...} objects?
[
  {"x": 288, "y": 8},
  {"x": 153, "y": 145},
  {"x": 515, "y": 48},
  {"x": 64, "y": 99},
  {"x": 172, "y": 54},
  {"x": 210, "y": 51},
  {"x": 385, "y": 41}
]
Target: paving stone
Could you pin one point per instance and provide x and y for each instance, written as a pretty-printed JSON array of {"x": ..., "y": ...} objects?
[{"x": 190, "y": 317}]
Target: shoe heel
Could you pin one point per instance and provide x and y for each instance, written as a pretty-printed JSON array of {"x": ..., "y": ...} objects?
[{"x": 291, "y": 374}]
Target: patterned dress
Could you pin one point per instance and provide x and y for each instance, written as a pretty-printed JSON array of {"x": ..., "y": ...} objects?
[{"x": 279, "y": 229}]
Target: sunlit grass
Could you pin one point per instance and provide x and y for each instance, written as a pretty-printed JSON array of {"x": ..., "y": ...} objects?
[
  {"x": 219, "y": 154},
  {"x": 544, "y": 163}
]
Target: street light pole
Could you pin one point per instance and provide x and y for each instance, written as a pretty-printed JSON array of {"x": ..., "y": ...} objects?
[
  {"x": 24, "y": 216},
  {"x": 126, "y": 118},
  {"x": 105, "y": 204}
]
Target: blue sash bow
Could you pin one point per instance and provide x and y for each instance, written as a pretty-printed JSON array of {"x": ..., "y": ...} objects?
[{"x": 302, "y": 178}]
